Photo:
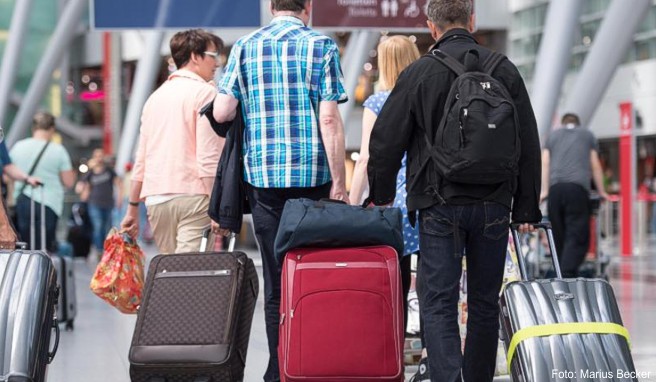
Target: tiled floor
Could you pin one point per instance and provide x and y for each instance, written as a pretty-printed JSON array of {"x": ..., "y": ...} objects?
[{"x": 96, "y": 351}]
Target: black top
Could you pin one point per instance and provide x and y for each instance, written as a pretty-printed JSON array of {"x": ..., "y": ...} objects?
[
  {"x": 417, "y": 103},
  {"x": 102, "y": 187}
]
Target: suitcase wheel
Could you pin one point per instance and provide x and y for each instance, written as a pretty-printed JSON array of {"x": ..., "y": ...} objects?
[{"x": 69, "y": 326}]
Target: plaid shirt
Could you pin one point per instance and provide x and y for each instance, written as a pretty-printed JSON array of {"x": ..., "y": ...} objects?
[{"x": 280, "y": 73}]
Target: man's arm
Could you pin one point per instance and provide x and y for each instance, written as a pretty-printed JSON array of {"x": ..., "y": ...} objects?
[
  {"x": 16, "y": 173},
  {"x": 67, "y": 178},
  {"x": 526, "y": 201},
  {"x": 130, "y": 223},
  {"x": 597, "y": 174},
  {"x": 545, "y": 175},
  {"x": 332, "y": 134},
  {"x": 390, "y": 138},
  {"x": 225, "y": 108},
  {"x": 227, "y": 99}
]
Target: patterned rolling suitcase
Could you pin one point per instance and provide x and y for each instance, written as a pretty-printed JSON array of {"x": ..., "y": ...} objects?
[
  {"x": 28, "y": 295},
  {"x": 195, "y": 318},
  {"x": 563, "y": 329},
  {"x": 341, "y": 315}
]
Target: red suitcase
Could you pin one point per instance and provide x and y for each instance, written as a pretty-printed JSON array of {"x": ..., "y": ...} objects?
[{"x": 341, "y": 315}]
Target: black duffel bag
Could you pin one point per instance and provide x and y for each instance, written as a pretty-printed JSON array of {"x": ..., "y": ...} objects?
[{"x": 331, "y": 224}]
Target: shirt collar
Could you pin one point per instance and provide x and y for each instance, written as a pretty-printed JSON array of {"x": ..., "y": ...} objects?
[
  {"x": 289, "y": 19},
  {"x": 186, "y": 73},
  {"x": 452, "y": 34}
]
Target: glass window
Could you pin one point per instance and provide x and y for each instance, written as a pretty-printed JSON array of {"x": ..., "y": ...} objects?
[
  {"x": 645, "y": 50},
  {"x": 649, "y": 23},
  {"x": 588, "y": 32},
  {"x": 577, "y": 61},
  {"x": 595, "y": 6},
  {"x": 527, "y": 70}
]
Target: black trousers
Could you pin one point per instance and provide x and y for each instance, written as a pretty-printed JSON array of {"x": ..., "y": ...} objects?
[
  {"x": 569, "y": 213},
  {"x": 266, "y": 207}
]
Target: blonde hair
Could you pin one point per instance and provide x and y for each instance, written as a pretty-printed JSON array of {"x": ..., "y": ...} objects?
[{"x": 395, "y": 53}]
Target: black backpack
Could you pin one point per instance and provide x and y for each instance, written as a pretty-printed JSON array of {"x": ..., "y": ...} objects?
[{"x": 477, "y": 140}]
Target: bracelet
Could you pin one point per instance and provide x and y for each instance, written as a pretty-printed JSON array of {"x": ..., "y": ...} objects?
[{"x": 135, "y": 204}]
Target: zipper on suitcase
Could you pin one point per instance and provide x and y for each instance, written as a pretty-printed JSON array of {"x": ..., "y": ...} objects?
[
  {"x": 233, "y": 298},
  {"x": 215, "y": 273}
]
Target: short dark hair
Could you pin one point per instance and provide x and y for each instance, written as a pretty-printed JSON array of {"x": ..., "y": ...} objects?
[
  {"x": 449, "y": 13},
  {"x": 184, "y": 44},
  {"x": 570, "y": 118},
  {"x": 43, "y": 120},
  {"x": 288, "y": 5}
]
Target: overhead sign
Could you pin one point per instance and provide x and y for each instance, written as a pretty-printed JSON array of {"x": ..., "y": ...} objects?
[
  {"x": 152, "y": 14},
  {"x": 386, "y": 14}
]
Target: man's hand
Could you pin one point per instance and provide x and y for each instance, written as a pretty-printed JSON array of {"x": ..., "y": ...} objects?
[
  {"x": 217, "y": 230},
  {"x": 543, "y": 197},
  {"x": 130, "y": 224},
  {"x": 526, "y": 228},
  {"x": 339, "y": 193},
  {"x": 33, "y": 181}
]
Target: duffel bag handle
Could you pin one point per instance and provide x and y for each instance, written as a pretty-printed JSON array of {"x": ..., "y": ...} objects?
[{"x": 329, "y": 200}]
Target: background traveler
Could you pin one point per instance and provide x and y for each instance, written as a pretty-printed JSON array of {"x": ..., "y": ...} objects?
[
  {"x": 454, "y": 218},
  {"x": 178, "y": 151},
  {"x": 54, "y": 169},
  {"x": 569, "y": 161},
  {"x": 289, "y": 80},
  {"x": 100, "y": 183}
]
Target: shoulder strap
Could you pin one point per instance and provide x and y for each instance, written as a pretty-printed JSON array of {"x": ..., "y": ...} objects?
[
  {"x": 36, "y": 162},
  {"x": 492, "y": 61},
  {"x": 454, "y": 65}
]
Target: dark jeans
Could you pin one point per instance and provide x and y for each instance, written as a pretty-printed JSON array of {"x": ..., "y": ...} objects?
[
  {"x": 569, "y": 213},
  {"x": 101, "y": 219},
  {"x": 266, "y": 206},
  {"x": 23, "y": 220},
  {"x": 448, "y": 232}
]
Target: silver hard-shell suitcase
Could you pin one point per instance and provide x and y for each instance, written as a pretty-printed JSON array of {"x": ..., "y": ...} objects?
[
  {"x": 563, "y": 329},
  {"x": 64, "y": 267},
  {"x": 28, "y": 295}
]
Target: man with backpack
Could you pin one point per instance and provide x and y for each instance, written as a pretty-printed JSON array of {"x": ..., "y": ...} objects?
[{"x": 464, "y": 117}]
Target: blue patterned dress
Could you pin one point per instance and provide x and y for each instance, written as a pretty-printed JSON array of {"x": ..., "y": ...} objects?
[{"x": 410, "y": 235}]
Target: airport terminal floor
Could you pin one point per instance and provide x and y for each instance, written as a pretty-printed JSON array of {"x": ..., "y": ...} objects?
[{"x": 96, "y": 350}]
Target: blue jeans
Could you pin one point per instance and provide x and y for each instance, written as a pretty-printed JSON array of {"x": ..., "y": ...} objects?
[
  {"x": 448, "y": 232},
  {"x": 266, "y": 206},
  {"x": 23, "y": 220},
  {"x": 101, "y": 219}
]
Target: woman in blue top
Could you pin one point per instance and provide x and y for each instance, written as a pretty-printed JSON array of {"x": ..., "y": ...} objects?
[{"x": 395, "y": 53}]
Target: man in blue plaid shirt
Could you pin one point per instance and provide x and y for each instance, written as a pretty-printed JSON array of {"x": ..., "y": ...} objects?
[{"x": 287, "y": 80}]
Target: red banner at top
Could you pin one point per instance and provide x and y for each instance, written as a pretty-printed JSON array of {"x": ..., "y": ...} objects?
[{"x": 387, "y": 14}]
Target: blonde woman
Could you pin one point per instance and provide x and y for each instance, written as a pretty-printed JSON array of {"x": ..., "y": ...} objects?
[{"x": 395, "y": 53}]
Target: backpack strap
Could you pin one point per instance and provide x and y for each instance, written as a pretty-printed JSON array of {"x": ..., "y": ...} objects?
[
  {"x": 454, "y": 65},
  {"x": 492, "y": 61}
]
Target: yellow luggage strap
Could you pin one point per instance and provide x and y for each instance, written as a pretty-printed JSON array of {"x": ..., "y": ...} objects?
[{"x": 564, "y": 328}]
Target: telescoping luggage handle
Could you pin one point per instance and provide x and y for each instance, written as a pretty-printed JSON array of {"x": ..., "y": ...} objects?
[
  {"x": 206, "y": 236},
  {"x": 55, "y": 322},
  {"x": 33, "y": 219},
  {"x": 521, "y": 260}
]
